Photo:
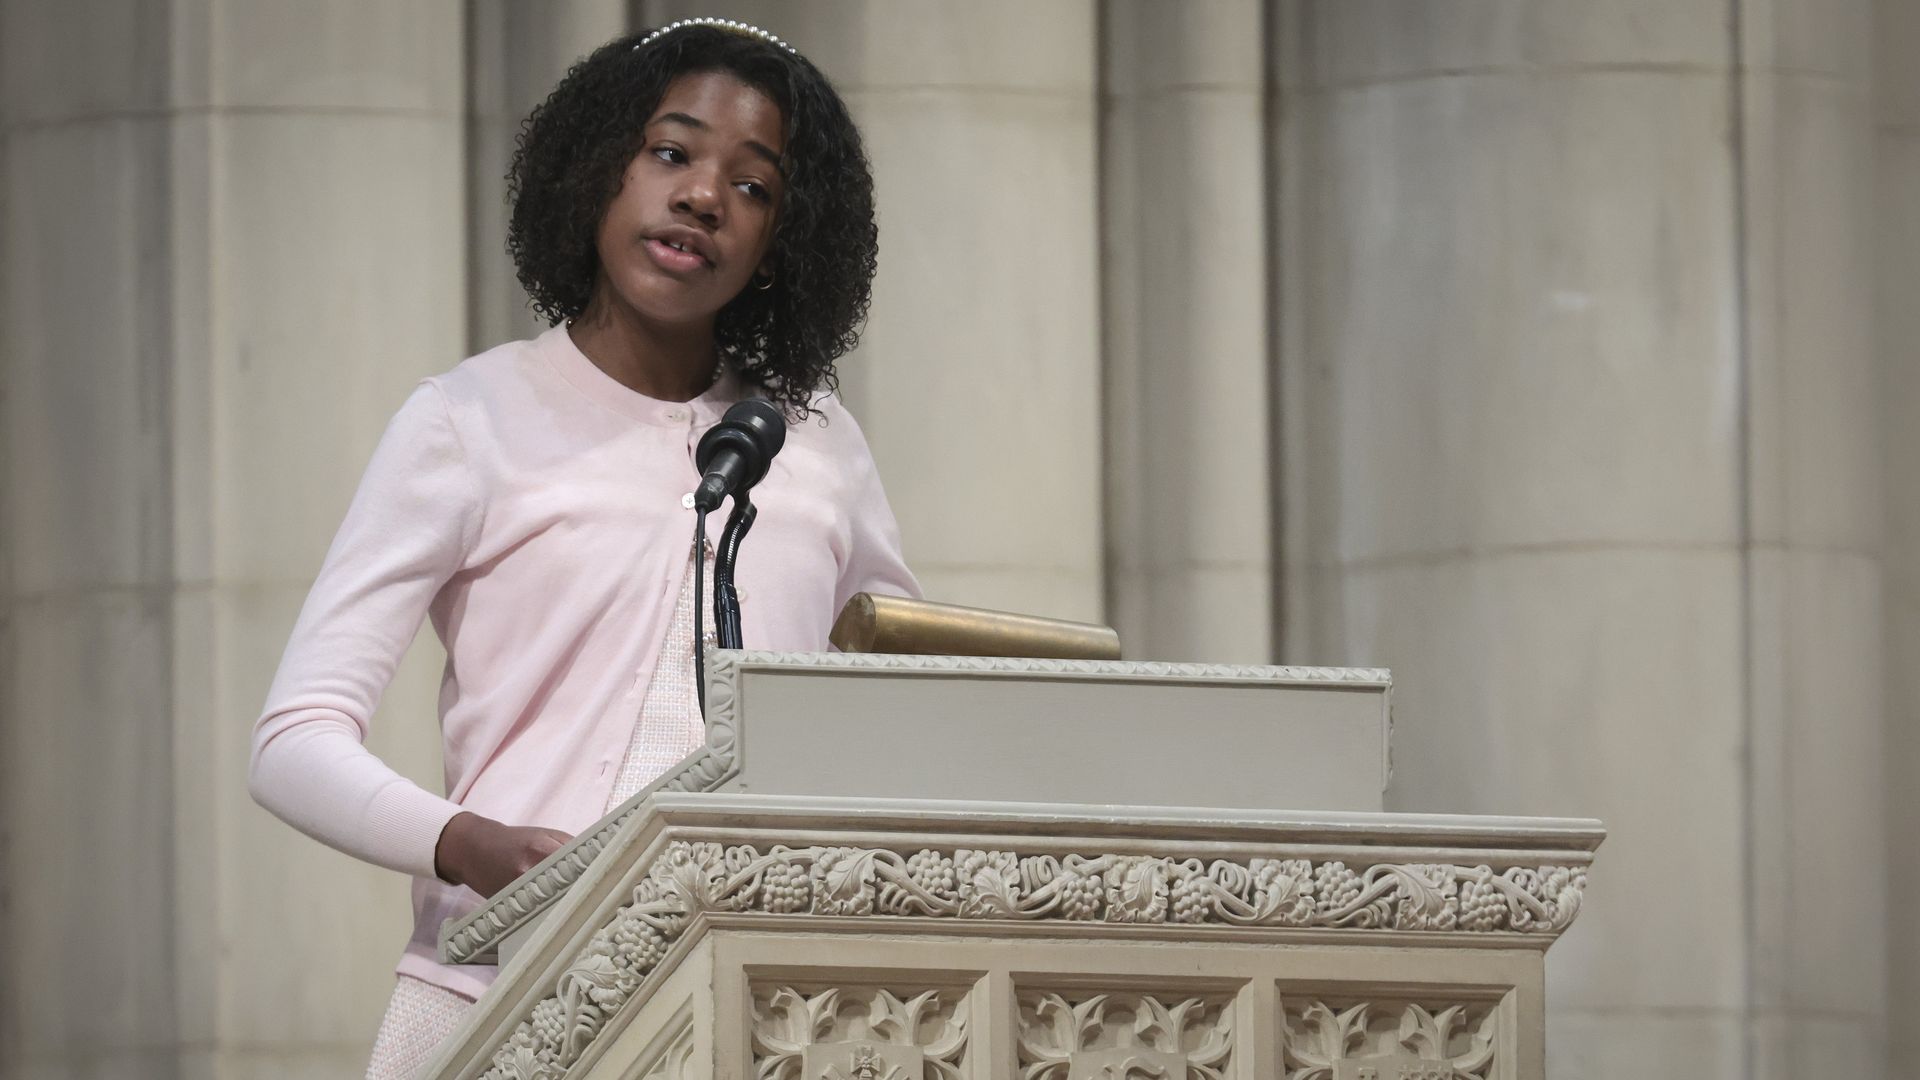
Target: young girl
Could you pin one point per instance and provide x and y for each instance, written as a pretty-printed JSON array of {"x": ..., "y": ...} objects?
[{"x": 693, "y": 212}]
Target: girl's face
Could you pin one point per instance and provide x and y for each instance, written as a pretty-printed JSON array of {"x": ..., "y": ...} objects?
[{"x": 693, "y": 220}]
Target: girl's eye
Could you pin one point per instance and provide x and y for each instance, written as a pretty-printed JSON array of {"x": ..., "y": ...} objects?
[
  {"x": 670, "y": 153},
  {"x": 754, "y": 190}
]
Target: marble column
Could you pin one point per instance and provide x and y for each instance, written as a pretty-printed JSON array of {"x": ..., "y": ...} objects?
[
  {"x": 978, "y": 379},
  {"x": 1579, "y": 437},
  {"x": 1813, "y": 486},
  {"x": 235, "y": 238},
  {"x": 337, "y": 223},
  {"x": 1897, "y": 320},
  {"x": 516, "y": 51},
  {"x": 1184, "y": 258},
  {"x": 87, "y": 834}
]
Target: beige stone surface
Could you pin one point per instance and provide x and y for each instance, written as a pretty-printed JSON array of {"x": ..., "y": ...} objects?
[
  {"x": 999, "y": 407},
  {"x": 1896, "y": 221},
  {"x": 82, "y": 769},
  {"x": 516, "y": 52},
  {"x": 1005, "y": 46},
  {"x": 1378, "y": 41},
  {"x": 1815, "y": 481},
  {"x": 1585, "y": 419},
  {"x": 358, "y": 56},
  {"x": 303, "y": 384},
  {"x": 1525, "y": 312},
  {"x": 86, "y": 558},
  {"x": 1810, "y": 1044},
  {"x": 1502, "y": 666},
  {"x": 1043, "y": 583},
  {"x": 1154, "y": 49},
  {"x": 1195, "y": 421},
  {"x": 1194, "y": 611},
  {"x": 1818, "y": 796},
  {"x": 1816, "y": 472},
  {"x": 1814, "y": 37},
  {"x": 86, "y": 411},
  {"x": 85, "y": 59},
  {"x": 1896, "y": 106},
  {"x": 1696, "y": 1044},
  {"x": 1184, "y": 268}
]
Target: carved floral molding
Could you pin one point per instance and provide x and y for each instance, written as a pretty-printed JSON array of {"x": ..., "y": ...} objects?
[
  {"x": 690, "y": 878},
  {"x": 1124, "y": 1036}
]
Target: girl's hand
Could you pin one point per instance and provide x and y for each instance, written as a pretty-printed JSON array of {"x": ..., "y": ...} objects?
[{"x": 486, "y": 856}]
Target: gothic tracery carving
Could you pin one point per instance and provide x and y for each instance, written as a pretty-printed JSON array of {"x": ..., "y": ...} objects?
[
  {"x": 858, "y": 1033},
  {"x": 1124, "y": 1036},
  {"x": 1371, "y": 1041}
]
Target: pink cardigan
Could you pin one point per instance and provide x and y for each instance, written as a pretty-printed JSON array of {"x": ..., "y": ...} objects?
[{"x": 531, "y": 506}]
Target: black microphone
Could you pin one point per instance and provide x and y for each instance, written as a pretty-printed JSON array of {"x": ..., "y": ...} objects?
[{"x": 734, "y": 455}]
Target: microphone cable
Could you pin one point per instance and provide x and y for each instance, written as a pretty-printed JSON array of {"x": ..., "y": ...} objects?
[{"x": 699, "y": 648}]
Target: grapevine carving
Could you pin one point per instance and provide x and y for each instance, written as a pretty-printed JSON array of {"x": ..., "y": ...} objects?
[{"x": 692, "y": 878}]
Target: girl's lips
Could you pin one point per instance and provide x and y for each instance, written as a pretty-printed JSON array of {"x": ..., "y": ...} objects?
[{"x": 671, "y": 258}]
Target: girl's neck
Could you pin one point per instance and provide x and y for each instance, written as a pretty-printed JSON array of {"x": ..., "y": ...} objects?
[{"x": 667, "y": 363}]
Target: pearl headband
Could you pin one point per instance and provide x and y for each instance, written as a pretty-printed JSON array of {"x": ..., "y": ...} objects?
[{"x": 733, "y": 25}]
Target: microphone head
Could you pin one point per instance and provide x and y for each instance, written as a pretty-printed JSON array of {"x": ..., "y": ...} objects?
[
  {"x": 762, "y": 420},
  {"x": 753, "y": 429}
]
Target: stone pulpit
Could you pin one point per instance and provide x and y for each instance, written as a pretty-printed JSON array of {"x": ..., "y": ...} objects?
[{"x": 896, "y": 868}]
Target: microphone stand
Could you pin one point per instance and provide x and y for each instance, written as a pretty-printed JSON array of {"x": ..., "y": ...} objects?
[
  {"x": 699, "y": 570},
  {"x": 726, "y": 600},
  {"x": 732, "y": 455}
]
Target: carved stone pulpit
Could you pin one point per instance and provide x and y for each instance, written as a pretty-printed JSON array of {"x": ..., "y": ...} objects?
[{"x": 815, "y": 896}]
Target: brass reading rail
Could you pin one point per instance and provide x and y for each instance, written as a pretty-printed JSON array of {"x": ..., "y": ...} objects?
[{"x": 895, "y": 624}]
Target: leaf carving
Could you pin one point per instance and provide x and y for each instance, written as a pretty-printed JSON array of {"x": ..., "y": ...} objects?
[
  {"x": 1061, "y": 1037},
  {"x": 1317, "y": 1037}
]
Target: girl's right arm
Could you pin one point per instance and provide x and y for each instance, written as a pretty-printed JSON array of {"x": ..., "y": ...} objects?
[{"x": 411, "y": 526}]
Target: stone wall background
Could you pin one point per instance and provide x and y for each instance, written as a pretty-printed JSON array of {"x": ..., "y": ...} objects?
[{"x": 1557, "y": 354}]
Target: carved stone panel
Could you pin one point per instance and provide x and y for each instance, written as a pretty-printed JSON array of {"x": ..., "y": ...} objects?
[
  {"x": 858, "y": 1033},
  {"x": 1388, "y": 1041},
  {"x": 675, "y": 1060},
  {"x": 1124, "y": 1036}
]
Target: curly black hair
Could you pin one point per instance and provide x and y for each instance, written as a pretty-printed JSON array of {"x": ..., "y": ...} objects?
[{"x": 574, "y": 148}]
